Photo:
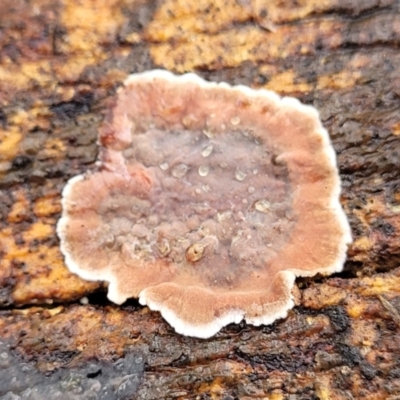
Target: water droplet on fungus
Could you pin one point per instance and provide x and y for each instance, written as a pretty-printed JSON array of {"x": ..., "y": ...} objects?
[
  {"x": 240, "y": 175},
  {"x": 224, "y": 215},
  {"x": 207, "y": 150},
  {"x": 204, "y": 170},
  {"x": 179, "y": 171},
  {"x": 189, "y": 121},
  {"x": 235, "y": 121},
  {"x": 262, "y": 205},
  {"x": 164, "y": 166},
  {"x": 208, "y": 133}
]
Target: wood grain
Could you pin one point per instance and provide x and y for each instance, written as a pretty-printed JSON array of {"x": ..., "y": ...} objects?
[{"x": 60, "y": 64}]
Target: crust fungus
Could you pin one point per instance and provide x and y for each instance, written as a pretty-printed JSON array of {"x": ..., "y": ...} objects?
[{"x": 207, "y": 202}]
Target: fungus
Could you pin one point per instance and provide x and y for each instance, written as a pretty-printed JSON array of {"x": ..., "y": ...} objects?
[{"x": 207, "y": 201}]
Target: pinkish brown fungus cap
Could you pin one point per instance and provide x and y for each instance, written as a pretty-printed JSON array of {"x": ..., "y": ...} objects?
[{"x": 208, "y": 201}]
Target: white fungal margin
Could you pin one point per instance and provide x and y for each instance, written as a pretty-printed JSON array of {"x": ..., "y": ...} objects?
[
  {"x": 203, "y": 331},
  {"x": 275, "y": 310}
]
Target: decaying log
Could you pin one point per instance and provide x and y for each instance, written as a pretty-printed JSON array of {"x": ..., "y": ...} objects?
[{"x": 60, "y": 63}]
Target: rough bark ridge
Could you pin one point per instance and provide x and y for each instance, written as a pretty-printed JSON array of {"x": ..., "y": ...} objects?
[{"x": 60, "y": 62}]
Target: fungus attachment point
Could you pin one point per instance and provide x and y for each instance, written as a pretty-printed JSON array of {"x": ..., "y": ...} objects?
[{"x": 191, "y": 203}]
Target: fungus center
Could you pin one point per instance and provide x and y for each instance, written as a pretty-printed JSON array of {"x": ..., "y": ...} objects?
[{"x": 218, "y": 204}]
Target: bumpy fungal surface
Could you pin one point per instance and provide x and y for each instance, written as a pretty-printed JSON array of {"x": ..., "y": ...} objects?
[{"x": 208, "y": 200}]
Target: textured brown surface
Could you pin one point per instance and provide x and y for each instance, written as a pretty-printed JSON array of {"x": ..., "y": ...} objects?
[{"x": 60, "y": 62}]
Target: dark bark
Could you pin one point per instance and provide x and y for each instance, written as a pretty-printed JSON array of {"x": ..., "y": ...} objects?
[{"x": 60, "y": 64}]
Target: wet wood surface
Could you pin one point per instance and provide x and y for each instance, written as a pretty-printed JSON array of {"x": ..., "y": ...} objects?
[{"x": 60, "y": 64}]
